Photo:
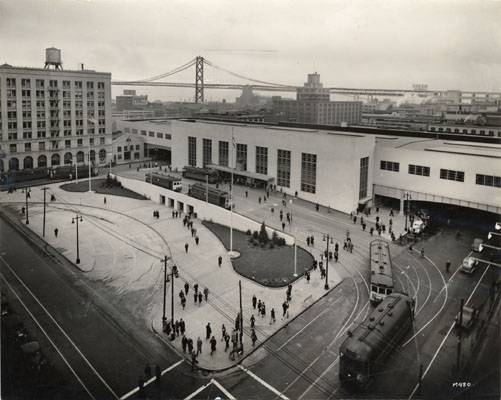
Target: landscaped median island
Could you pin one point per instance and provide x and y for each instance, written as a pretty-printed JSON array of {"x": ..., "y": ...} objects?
[
  {"x": 266, "y": 260},
  {"x": 102, "y": 186}
]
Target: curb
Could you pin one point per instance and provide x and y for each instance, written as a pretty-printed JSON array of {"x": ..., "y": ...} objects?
[{"x": 255, "y": 348}]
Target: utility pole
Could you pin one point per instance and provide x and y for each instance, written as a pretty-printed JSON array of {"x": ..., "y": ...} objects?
[
  {"x": 327, "y": 264},
  {"x": 77, "y": 218},
  {"x": 165, "y": 290},
  {"x": 27, "y": 191},
  {"x": 44, "y": 206},
  {"x": 207, "y": 188},
  {"x": 241, "y": 318},
  {"x": 408, "y": 197},
  {"x": 172, "y": 296}
]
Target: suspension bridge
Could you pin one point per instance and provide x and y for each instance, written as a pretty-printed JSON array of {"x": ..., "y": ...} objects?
[{"x": 200, "y": 86}]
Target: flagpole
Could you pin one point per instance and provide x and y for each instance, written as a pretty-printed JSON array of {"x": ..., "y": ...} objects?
[{"x": 231, "y": 193}]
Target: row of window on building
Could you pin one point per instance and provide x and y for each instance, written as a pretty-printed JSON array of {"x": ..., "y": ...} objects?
[
  {"x": 308, "y": 163},
  {"x": 55, "y": 160},
  {"x": 15, "y": 148},
  {"x": 467, "y": 131},
  {"x": 447, "y": 174},
  {"x": 158, "y": 135},
  {"x": 40, "y": 84}
]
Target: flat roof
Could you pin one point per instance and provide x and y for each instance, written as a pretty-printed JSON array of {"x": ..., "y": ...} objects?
[
  {"x": 441, "y": 146},
  {"x": 10, "y": 68}
]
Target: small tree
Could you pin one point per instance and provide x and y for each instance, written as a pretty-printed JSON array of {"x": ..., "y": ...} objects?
[
  {"x": 274, "y": 237},
  {"x": 263, "y": 235}
]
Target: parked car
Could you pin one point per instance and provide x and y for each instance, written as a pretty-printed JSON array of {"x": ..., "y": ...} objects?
[{"x": 476, "y": 245}]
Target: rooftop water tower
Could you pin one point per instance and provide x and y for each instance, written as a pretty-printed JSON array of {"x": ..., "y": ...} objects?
[{"x": 53, "y": 57}]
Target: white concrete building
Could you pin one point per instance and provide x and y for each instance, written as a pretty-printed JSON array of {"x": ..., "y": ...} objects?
[
  {"x": 340, "y": 168},
  {"x": 53, "y": 117}
]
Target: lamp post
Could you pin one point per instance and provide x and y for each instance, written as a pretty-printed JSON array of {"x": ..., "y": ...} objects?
[
  {"x": 327, "y": 237},
  {"x": 44, "y": 206},
  {"x": 27, "y": 192},
  {"x": 295, "y": 240},
  {"x": 76, "y": 219},
  {"x": 408, "y": 197},
  {"x": 166, "y": 280}
]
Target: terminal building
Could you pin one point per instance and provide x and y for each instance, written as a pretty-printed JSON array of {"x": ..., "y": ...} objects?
[
  {"x": 52, "y": 117},
  {"x": 342, "y": 168}
]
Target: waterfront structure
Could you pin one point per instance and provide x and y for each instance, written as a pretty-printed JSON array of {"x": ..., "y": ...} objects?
[{"x": 52, "y": 117}]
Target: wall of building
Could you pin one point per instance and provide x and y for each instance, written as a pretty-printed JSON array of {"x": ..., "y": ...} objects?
[
  {"x": 456, "y": 192},
  {"x": 207, "y": 211},
  {"x": 61, "y": 135},
  {"x": 338, "y": 156}
]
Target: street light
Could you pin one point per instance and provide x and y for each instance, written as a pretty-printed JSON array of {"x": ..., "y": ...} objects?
[
  {"x": 295, "y": 241},
  {"x": 166, "y": 279},
  {"x": 327, "y": 238},
  {"x": 77, "y": 218},
  {"x": 498, "y": 226},
  {"x": 408, "y": 197},
  {"x": 27, "y": 192},
  {"x": 44, "y": 207}
]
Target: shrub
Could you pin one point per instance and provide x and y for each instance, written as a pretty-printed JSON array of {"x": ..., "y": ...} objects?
[
  {"x": 255, "y": 235},
  {"x": 281, "y": 241},
  {"x": 248, "y": 232},
  {"x": 263, "y": 235},
  {"x": 274, "y": 237}
]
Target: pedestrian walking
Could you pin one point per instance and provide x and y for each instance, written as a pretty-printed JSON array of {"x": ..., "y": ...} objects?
[
  {"x": 336, "y": 256},
  {"x": 372, "y": 230},
  {"x": 308, "y": 241},
  {"x": 190, "y": 345},
  {"x": 213, "y": 343},
  {"x": 199, "y": 298},
  {"x": 186, "y": 247},
  {"x": 195, "y": 287},
  {"x": 315, "y": 264},
  {"x": 364, "y": 226},
  {"x": 223, "y": 332},
  {"x": 182, "y": 326},
  {"x": 252, "y": 320},
  {"x": 158, "y": 373},
  {"x": 226, "y": 342},
  {"x": 447, "y": 266},
  {"x": 263, "y": 309},
  {"x": 197, "y": 240},
  {"x": 246, "y": 193},
  {"x": 259, "y": 306},
  {"x": 184, "y": 343},
  {"x": 307, "y": 274},
  {"x": 199, "y": 346},
  {"x": 208, "y": 331},
  {"x": 104, "y": 200},
  {"x": 183, "y": 302},
  {"x": 283, "y": 226},
  {"x": 56, "y": 231},
  {"x": 272, "y": 314},
  {"x": 254, "y": 301},
  {"x": 194, "y": 361},
  {"x": 147, "y": 371},
  {"x": 186, "y": 287},
  {"x": 253, "y": 337},
  {"x": 345, "y": 245},
  {"x": 219, "y": 261},
  {"x": 206, "y": 293},
  {"x": 195, "y": 297}
]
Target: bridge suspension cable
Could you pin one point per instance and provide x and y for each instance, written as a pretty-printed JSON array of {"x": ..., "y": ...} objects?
[
  {"x": 174, "y": 71},
  {"x": 211, "y": 64}
]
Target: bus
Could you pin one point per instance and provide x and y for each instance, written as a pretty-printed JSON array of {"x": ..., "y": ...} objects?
[
  {"x": 213, "y": 196},
  {"x": 201, "y": 174},
  {"x": 381, "y": 270}
]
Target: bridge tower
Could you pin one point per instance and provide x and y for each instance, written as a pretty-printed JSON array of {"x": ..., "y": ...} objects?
[{"x": 199, "y": 79}]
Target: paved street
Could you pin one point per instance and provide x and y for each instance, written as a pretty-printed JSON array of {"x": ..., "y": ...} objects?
[{"x": 299, "y": 361}]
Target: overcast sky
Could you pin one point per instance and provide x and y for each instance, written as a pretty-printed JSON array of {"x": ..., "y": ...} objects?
[{"x": 351, "y": 43}]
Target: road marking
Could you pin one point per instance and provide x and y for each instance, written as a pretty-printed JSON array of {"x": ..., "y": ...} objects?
[
  {"x": 47, "y": 336},
  {"x": 306, "y": 326},
  {"x": 61, "y": 329},
  {"x": 446, "y": 336},
  {"x": 151, "y": 380},
  {"x": 441, "y": 308},
  {"x": 453, "y": 275},
  {"x": 264, "y": 383}
]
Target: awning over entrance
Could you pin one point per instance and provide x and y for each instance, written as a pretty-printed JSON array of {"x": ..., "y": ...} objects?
[{"x": 246, "y": 174}]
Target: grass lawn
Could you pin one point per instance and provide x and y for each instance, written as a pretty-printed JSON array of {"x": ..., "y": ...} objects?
[
  {"x": 99, "y": 186},
  {"x": 268, "y": 267}
]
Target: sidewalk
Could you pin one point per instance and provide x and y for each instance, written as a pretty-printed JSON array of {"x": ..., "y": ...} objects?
[{"x": 122, "y": 245}]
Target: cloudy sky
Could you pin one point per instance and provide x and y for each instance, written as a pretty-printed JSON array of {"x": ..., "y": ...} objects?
[{"x": 351, "y": 43}]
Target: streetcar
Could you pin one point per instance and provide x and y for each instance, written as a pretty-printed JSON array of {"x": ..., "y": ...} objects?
[
  {"x": 362, "y": 353},
  {"x": 212, "y": 195},
  {"x": 381, "y": 270},
  {"x": 165, "y": 181},
  {"x": 201, "y": 174}
]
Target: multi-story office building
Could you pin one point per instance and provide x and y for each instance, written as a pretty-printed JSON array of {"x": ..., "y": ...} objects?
[
  {"x": 131, "y": 101},
  {"x": 313, "y": 106},
  {"x": 54, "y": 117}
]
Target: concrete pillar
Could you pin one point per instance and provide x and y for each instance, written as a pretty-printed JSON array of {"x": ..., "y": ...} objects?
[{"x": 401, "y": 211}]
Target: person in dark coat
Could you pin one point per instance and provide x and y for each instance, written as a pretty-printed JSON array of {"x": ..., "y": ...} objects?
[
  {"x": 186, "y": 287},
  {"x": 184, "y": 343},
  {"x": 199, "y": 298},
  {"x": 219, "y": 261},
  {"x": 208, "y": 331},
  {"x": 213, "y": 343},
  {"x": 254, "y": 301}
]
